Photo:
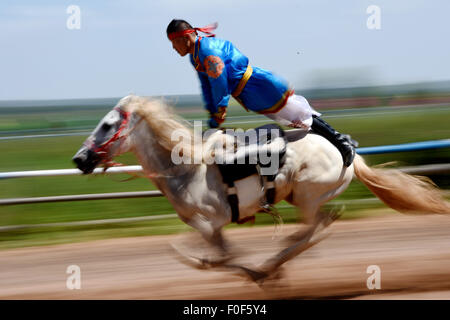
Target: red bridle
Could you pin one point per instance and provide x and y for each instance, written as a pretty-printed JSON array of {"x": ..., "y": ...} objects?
[{"x": 103, "y": 149}]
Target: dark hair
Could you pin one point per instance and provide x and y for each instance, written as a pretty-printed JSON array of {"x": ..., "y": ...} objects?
[{"x": 178, "y": 25}]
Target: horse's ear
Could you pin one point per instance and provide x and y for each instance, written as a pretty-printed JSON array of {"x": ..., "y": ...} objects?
[{"x": 125, "y": 101}]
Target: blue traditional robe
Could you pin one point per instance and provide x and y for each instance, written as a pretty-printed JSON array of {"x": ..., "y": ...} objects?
[{"x": 223, "y": 71}]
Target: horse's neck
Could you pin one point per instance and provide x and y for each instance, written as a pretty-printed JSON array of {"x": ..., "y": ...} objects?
[{"x": 155, "y": 160}]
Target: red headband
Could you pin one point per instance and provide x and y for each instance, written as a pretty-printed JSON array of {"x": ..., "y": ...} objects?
[{"x": 208, "y": 30}]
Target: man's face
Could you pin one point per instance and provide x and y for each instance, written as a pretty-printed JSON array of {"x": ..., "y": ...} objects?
[
  {"x": 181, "y": 45},
  {"x": 184, "y": 45}
]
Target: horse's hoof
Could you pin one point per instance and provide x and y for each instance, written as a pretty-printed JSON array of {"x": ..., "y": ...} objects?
[
  {"x": 197, "y": 262},
  {"x": 250, "y": 274},
  {"x": 217, "y": 261},
  {"x": 257, "y": 276}
]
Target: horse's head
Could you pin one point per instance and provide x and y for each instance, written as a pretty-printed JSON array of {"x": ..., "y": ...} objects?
[{"x": 107, "y": 140}]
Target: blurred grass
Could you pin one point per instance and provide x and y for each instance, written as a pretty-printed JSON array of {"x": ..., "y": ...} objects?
[
  {"x": 39, "y": 236},
  {"x": 56, "y": 153}
]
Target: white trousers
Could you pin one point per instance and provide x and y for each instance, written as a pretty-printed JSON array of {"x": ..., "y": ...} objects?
[{"x": 297, "y": 113}]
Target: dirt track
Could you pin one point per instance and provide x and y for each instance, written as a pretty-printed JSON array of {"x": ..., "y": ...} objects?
[{"x": 412, "y": 252}]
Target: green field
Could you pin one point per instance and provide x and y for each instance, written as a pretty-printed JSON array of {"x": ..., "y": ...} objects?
[{"x": 56, "y": 153}]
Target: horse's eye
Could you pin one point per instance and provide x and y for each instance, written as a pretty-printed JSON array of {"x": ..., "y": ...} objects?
[{"x": 106, "y": 126}]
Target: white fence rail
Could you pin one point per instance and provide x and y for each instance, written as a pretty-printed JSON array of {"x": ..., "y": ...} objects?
[
  {"x": 421, "y": 170},
  {"x": 424, "y": 169},
  {"x": 66, "y": 172}
]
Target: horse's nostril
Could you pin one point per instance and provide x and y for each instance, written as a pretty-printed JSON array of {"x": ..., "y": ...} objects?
[
  {"x": 78, "y": 161},
  {"x": 80, "y": 157},
  {"x": 86, "y": 160}
]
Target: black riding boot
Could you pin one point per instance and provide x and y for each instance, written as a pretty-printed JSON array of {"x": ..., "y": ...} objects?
[{"x": 343, "y": 143}]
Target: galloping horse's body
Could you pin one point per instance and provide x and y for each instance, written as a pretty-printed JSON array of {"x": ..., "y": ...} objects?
[{"x": 313, "y": 173}]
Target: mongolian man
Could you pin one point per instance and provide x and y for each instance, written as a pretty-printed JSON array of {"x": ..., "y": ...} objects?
[{"x": 224, "y": 71}]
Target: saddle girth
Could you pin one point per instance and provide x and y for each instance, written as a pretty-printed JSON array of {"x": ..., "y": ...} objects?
[{"x": 236, "y": 170}]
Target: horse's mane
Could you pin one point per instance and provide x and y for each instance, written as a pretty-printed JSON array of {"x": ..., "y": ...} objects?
[{"x": 163, "y": 121}]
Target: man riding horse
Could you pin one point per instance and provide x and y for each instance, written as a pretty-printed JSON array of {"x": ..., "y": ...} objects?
[{"x": 223, "y": 71}]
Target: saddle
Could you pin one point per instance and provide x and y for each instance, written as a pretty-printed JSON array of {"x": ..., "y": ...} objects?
[{"x": 259, "y": 151}]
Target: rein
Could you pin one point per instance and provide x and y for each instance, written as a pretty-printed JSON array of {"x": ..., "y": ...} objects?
[{"x": 103, "y": 148}]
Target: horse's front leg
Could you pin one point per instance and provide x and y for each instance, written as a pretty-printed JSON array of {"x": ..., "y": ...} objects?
[{"x": 214, "y": 254}]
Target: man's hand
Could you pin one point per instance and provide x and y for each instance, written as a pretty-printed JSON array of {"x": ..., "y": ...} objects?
[
  {"x": 218, "y": 117},
  {"x": 213, "y": 123}
]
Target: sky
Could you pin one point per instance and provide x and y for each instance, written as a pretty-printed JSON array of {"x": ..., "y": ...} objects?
[{"x": 121, "y": 46}]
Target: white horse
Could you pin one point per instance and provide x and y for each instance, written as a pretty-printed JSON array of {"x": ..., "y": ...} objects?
[{"x": 313, "y": 173}]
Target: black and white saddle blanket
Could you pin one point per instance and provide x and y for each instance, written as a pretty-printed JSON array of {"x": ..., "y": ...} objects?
[{"x": 257, "y": 151}]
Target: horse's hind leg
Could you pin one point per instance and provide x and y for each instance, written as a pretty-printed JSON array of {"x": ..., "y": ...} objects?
[
  {"x": 270, "y": 267},
  {"x": 303, "y": 241},
  {"x": 309, "y": 201},
  {"x": 322, "y": 219},
  {"x": 298, "y": 242},
  {"x": 302, "y": 199}
]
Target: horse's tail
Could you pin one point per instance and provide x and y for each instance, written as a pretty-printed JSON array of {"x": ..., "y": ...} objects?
[{"x": 400, "y": 191}]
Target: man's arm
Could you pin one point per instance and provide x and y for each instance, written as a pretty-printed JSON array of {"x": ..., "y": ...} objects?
[
  {"x": 216, "y": 75},
  {"x": 206, "y": 91},
  {"x": 217, "y": 115}
]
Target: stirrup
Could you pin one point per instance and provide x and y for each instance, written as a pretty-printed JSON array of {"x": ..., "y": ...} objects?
[
  {"x": 348, "y": 158},
  {"x": 353, "y": 142}
]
